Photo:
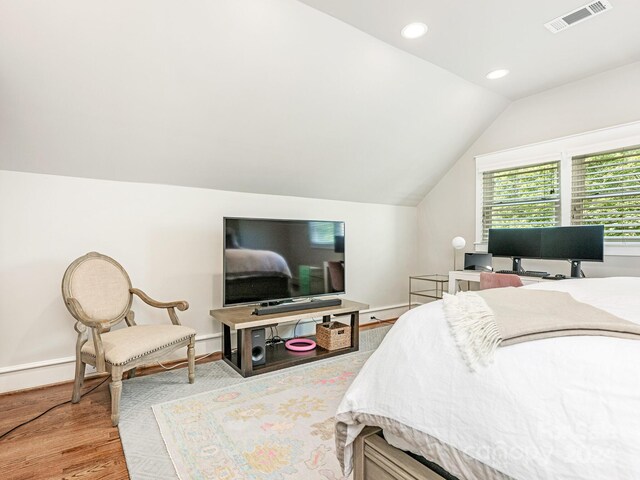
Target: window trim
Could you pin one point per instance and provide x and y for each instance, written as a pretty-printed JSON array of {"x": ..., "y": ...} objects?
[
  {"x": 562, "y": 149},
  {"x": 553, "y": 164}
]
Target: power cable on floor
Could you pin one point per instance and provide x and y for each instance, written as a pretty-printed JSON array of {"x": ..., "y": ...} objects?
[{"x": 48, "y": 410}]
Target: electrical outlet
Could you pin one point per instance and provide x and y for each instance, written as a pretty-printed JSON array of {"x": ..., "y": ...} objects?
[{"x": 90, "y": 370}]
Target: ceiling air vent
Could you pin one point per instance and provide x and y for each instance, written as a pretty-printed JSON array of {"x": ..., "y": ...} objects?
[{"x": 579, "y": 15}]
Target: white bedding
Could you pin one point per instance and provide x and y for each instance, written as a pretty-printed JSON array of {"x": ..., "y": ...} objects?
[
  {"x": 561, "y": 408},
  {"x": 244, "y": 261}
]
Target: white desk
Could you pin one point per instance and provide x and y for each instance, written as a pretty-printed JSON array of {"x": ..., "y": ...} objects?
[{"x": 474, "y": 276}]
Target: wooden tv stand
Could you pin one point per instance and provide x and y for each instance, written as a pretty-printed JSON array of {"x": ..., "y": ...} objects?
[{"x": 243, "y": 321}]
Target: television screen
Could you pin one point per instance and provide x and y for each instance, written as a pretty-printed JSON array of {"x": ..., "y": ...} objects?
[{"x": 273, "y": 260}]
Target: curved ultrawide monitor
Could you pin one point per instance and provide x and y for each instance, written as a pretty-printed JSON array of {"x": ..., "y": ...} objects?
[{"x": 270, "y": 260}]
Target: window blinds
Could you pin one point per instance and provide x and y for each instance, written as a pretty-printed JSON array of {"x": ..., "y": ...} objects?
[
  {"x": 323, "y": 234},
  {"x": 606, "y": 191},
  {"x": 521, "y": 197}
]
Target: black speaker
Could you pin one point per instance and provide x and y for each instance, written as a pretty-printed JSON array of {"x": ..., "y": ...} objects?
[{"x": 258, "y": 344}]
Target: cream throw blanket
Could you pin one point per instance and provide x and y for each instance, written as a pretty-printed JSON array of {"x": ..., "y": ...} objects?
[{"x": 483, "y": 321}]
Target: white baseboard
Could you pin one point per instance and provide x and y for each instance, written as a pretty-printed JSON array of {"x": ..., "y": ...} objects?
[
  {"x": 36, "y": 374},
  {"x": 386, "y": 313},
  {"x": 46, "y": 372}
]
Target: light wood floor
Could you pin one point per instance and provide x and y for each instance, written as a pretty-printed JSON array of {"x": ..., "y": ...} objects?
[{"x": 71, "y": 441}]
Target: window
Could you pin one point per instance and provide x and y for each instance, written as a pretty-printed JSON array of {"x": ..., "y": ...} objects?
[
  {"x": 606, "y": 191},
  {"x": 521, "y": 197},
  {"x": 323, "y": 234},
  {"x": 591, "y": 178}
]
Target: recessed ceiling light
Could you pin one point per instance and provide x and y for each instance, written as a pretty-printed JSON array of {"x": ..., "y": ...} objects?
[
  {"x": 497, "y": 74},
  {"x": 414, "y": 30}
]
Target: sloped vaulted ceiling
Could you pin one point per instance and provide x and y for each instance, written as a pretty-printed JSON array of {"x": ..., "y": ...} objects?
[
  {"x": 266, "y": 96},
  {"x": 473, "y": 37}
]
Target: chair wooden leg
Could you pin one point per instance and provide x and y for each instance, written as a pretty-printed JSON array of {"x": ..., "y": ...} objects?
[
  {"x": 79, "y": 380},
  {"x": 191, "y": 357},
  {"x": 116, "y": 389}
]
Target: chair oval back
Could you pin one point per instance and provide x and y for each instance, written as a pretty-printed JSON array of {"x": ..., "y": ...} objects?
[{"x": 100, "y": 285}]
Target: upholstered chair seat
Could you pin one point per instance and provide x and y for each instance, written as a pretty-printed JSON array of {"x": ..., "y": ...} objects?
[
  {"x": 127, "y": 344},
  {"x": 97, "y": 292},
  {"x": 499, "y": 280}
]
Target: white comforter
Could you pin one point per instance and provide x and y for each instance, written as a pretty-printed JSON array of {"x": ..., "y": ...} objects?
[
  {"x": 560, "y": 408},
  {"x": 244, "y": 261}
]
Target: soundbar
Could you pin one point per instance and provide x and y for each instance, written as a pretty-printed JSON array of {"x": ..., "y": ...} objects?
[{"x": 292, "y": 307}]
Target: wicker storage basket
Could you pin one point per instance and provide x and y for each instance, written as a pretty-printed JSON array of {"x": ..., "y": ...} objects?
[{"x": 333, "y": 335}]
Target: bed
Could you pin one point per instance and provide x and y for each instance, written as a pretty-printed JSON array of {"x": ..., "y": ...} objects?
[
  {"x": 253, "y": 275},
  {"x": 561, "y": 408}
]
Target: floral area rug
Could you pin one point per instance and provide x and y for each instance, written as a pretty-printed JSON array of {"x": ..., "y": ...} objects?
[{"x": 273, "y": 427}]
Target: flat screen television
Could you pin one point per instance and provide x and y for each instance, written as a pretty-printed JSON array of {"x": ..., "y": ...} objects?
[
  {"x": 269, "y": 261},
  {"x": 576, "y": 244}
]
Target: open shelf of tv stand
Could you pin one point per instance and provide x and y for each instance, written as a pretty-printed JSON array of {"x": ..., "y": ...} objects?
[
  {"x": 279, "y": 357},
  {"x": 243, "y": 322}
]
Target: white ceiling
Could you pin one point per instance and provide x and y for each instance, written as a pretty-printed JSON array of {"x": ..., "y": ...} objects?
[
  {"x": 265, "y": 96},
  {"x": 471, "y": 38},
  {"x": 273, "y": 96}
]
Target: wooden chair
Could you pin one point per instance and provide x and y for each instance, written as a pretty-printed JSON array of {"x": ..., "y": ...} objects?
[
  {"x": 97, "y": 292},
  {"x": 499, "y": 280}
]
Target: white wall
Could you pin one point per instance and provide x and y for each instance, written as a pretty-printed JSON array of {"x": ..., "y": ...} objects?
[
  {"x": 156, "y": 90},
  {"x": 169, "y": 239},
  {"x": 604, "y": 100}
]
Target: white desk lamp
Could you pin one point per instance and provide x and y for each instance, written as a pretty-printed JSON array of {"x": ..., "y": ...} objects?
[{"x": 458, "y": 243}]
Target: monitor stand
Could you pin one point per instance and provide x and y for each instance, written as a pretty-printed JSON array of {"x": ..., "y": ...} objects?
[
  {"x": 576, "y": 269},
  {"x": 517, "y": 265}
]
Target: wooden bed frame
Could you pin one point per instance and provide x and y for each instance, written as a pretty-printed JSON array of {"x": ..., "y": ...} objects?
[{"x": 375, "y": 459}]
